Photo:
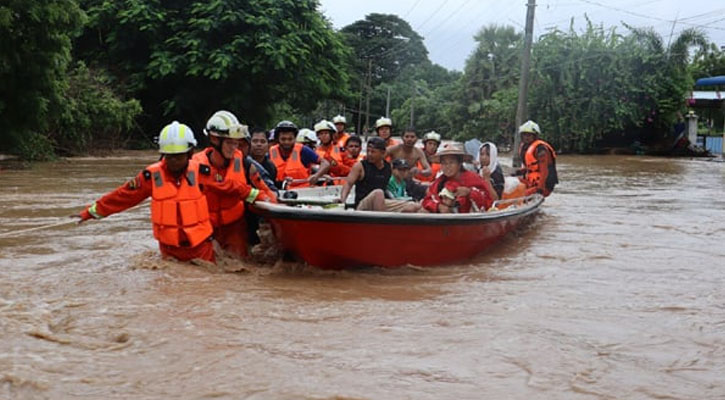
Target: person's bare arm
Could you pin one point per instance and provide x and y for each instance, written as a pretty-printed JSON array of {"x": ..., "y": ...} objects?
[
  {"x": 356, "y": 173},
  {"x": 426, "y": 171},
  {"x": 324, "y": 167}
]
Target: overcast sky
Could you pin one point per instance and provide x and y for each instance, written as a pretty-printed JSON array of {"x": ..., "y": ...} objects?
[{"x": 448, "y": 26}]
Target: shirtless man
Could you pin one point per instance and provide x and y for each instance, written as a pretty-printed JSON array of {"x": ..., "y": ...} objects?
[{"x": 413, "y": 155}]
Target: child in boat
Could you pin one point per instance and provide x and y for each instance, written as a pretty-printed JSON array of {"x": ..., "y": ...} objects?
[{"x": 399, "y": 199}]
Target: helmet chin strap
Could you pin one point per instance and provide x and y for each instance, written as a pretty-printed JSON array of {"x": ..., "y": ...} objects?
[{"x": 218, "y": 148}]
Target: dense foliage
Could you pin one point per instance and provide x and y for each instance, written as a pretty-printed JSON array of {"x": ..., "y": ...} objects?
[
  {"x": 139, "y": 64},
  {"x": 35, "y": 46},
  {"x": 188, "y": 58}
]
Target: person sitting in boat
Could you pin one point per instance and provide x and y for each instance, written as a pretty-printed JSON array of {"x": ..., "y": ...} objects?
[
  {"x": 384, "y": 128},
  {"x": 179, "y": 210},
  {"x": 397, "y": 188},
  {"x": 431, "y": 141},
  {"x": 294, "y": 160},
  {"x": 472, "y": 192},
  {"x": 340, "y": 136},
  {"x": 370, "y": 178},
  {"x": 486, "y": 160},
  {"x": 539, "y": 170},
  {"x": 352, "y": 154},
  {"x": 328, "y": 149},
  {"x": 413, "y": 155}
]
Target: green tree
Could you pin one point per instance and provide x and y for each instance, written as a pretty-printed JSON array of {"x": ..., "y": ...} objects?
[
  {"x": 35, "y": 48},
  {"x": 600, "y": 87},
  {"x": 187, "y": 58},
  {"x": 486, "y": 101},
  {"x": 385, "y": 41}
]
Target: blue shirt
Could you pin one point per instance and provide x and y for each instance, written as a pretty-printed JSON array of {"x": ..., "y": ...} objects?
[{"x": 308, "y": 156}]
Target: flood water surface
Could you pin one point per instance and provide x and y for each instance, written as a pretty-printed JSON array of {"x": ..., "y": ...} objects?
[{"x": 615, "y": 290}]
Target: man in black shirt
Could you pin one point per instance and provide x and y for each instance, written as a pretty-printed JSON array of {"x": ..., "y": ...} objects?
[{"x": 370, "y": 178}]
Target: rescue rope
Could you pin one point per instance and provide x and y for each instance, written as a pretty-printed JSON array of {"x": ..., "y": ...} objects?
[{"x": 71, "y": 220}]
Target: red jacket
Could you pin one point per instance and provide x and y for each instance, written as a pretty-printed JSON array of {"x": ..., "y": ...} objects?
[{"x": 479, "y": 192}]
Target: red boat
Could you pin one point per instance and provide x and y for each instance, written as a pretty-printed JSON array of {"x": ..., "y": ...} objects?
[{"x": 334, "y": 238}]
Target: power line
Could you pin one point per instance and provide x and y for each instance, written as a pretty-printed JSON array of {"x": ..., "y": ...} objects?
[{"x": 591, "y": 2}]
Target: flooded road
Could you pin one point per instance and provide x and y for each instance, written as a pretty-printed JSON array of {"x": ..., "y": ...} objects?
[{"x": 616, "y": 290}]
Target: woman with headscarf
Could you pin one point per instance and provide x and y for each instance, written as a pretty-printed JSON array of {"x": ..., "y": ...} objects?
[{"x": 487, "y": 161}]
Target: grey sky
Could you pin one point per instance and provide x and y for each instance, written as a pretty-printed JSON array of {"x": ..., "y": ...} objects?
[{"x": 448, "y": 26}]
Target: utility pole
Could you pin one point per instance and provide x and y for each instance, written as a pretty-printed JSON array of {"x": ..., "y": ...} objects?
[
  {"x": 359, "y": 107},
  {"x": 412, "y": 105},
  {"x": 521, "y": 112},
  {"x": 367, "y": 100},
  {"x": 387, "y": 105}
]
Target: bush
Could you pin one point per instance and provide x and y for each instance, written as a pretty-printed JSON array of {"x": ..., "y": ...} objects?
[{"x": 93, "y": 116}]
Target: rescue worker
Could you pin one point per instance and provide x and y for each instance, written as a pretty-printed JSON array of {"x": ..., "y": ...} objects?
[
  {"x": 431, "y": 141},
  {"x": 340, "y": 136},
  {"x": 179, "y": 209},
  {"x": 226, "y": 162},
  {"x": 328, "y": 149},
  {"x": 383, "y": 127},
  {"x": 352, "y": 154},
  {"x": 294, "y": 160},
  {"x": 407, "y": 151},
  {"x": 307, "y": 137},
  {"x": 539, "y": 158}
]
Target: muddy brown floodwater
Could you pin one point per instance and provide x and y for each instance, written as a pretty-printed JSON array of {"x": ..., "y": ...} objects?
[{"x": 616, "y": 290}]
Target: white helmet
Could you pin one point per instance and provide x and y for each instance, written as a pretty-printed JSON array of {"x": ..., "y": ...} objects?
[
  {"x": 339, "y": 119},
  {"x": 176, "y": 138},
  {"x": 432, "y": 135},
  {"x": 225, "y": 124},
  {"x": 306, "y": 135},
  {"x": 530, "y": 127},
  {"x": 383, "y": 122},
  {"x": 325, "y": 125}
]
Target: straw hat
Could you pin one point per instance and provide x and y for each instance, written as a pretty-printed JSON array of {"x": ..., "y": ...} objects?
[{"x": 451, "y": 149}]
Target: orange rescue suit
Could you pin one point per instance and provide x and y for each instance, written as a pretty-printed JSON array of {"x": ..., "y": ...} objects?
[
  {"x": 342, "y": 140},
  {"x": 434, "y": 169},
  {"x": 179, "y": 210},
  {"x": 292, "y": 167},
  {"x": 332, "y": 154},
  {"x": 534, "y": 175},
  {"x": 224, "y": 209},
  {"x": 179, "y": 213}
]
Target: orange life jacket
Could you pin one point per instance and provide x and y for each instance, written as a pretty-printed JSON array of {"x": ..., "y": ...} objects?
[
  {"x": 434, "y": 169},
  {"x": 291, "y": 167},
  {"x": 179, "y": 209},
  {"x": 224, "y": 209},
  {"x": 533, "y": 174},
  {"x": 332, "y": 154},
  {"x": 342, "y": 140},
  {"x": 391, "y": 142}
]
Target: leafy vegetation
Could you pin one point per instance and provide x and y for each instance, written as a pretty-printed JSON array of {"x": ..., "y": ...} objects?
[{"x": 81, "y": 74}]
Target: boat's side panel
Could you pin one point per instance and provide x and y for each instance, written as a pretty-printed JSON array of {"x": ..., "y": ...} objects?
[{"x": 330, "y": 244}]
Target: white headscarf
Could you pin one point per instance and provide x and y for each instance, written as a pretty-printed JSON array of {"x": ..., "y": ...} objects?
[{"x": 493, "y": 151}]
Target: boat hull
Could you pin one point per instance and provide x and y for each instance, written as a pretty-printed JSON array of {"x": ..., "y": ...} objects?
[{"x": 334, "y": 240}]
